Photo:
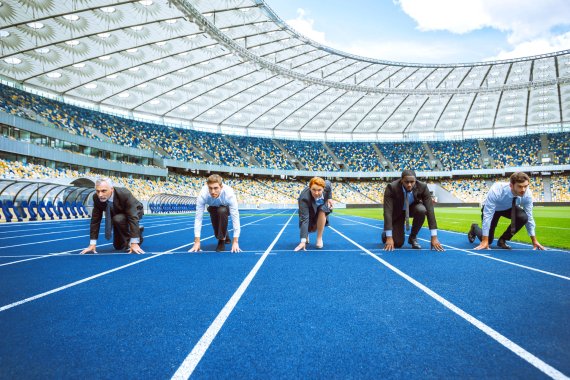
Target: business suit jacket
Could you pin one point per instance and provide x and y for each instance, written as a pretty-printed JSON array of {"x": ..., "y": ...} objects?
[
  {"x": 124, "y": 202},
  {"x": 308, "y": 208},
  {"x": 394, "y": 203}
]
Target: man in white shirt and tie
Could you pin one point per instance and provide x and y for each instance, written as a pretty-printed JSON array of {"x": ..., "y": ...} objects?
[
  {"x": 512, "y": 200},
  {"x": 222, "y": 203}
]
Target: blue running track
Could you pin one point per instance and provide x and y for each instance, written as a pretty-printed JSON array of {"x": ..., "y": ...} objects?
[{"x": 349, "y": 310}]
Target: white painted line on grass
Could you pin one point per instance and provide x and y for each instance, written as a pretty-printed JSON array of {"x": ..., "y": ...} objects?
[
  {"x": 487, "y": 256},
  {"x": 501, "y": 339},
  {"x": 189, "y": 364}
]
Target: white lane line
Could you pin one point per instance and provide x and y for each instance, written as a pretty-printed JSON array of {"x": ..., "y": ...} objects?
[
  {"x": 487, "y": 256},
  {"x": 189, "y": 364},
  {"x": 501, "y": 339},
  {"x": 68, "y": 238},
  {"x": 41, "y": 295},
  {"x": 41, "y": 234},
  {"x": 73, "y": 237}
]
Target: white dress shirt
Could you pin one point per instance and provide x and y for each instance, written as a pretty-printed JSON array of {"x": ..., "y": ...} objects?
[
  {"x": 227, "y": 198},
  {"x": 500, "y": 198}
]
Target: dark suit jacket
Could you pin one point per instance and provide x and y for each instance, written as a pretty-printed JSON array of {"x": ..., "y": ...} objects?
[
  {"x": 394, "y": 203},
  {"x": 123, "y": 203},
  {"x": 308, "y": 207}
]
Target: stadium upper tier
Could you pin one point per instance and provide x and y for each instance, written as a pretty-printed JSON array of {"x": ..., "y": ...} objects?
[
  {"x": 232, "y": 66},
  {"x": 190, "y": 146}
]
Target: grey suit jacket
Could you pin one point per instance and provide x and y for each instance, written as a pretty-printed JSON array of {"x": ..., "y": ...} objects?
[{"x": 308, "y": 207}]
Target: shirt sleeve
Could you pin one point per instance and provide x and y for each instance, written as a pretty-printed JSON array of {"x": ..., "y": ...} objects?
[
  {"x": 200, "y": 204},
  {"x": 526, "y": 203},
  {"x": 234, "y": 212},
  {"x": 489, "y": 208}
]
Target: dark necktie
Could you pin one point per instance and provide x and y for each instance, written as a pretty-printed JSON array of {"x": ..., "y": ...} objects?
[
  {"x": 513, "y": 216},
  {"x": 108, "y": 223},
  {"x": 407, "y": 207}
]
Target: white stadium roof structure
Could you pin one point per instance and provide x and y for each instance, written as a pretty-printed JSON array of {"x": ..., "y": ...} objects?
[{"x": 234, "y": 66}]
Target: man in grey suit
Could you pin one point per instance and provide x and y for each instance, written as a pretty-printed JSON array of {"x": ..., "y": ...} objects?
[
  {"x": 403, "y": 199},
  {"x": 122, "y": 215},
  {"x": 315, "y": 204}
]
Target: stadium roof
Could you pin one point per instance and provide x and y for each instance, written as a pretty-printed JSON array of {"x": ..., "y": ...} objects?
[{"x": 233, "y": 66}]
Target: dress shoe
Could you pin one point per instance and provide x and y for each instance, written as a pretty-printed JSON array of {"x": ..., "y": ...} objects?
[
  {"x": 228, "y": 241},
  {"x": 414, "y": 243},
  {"x": 221, "y": 246},
  {"x": 502, "y": 243},
  {"x": 319, "y": 246},
  {"x": 384, "y": 237},
  {"x": 471, "y": 234}
]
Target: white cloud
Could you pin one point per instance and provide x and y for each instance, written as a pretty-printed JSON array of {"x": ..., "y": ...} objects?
[
  {"x": 305, "y": 26},
  {"x": 536, "y": 47},
  {"x": 528, "y": 24}
]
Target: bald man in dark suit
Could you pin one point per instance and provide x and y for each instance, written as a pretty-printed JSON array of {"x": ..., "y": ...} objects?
[{"x": 403, "y": 199}]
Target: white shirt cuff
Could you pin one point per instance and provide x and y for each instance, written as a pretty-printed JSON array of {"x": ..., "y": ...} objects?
[
  {"x": 433, "y": 232},
  {"x": 303, "y": 240},
  {"x": 92, "y": 242},
  {"x": 135, "y": 240},
  {"x": 388, "y": 233}
]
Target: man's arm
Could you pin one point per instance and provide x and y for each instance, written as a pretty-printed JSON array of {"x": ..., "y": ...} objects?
[
  {"x": 388, "y": 210},
  {"x": 234, "y": 212},
  {"x": 94, "y": 227},
  {"x": 200, "y": 204}
]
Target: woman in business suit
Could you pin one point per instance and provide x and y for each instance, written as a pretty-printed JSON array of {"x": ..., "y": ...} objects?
[{"x": 315, "y": 204}]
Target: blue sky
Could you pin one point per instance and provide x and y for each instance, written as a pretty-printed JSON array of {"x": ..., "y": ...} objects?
[{"x": 432, "y": 31}]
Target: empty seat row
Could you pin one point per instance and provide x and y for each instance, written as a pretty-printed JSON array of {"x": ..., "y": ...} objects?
[{"x": 33, "y": 211}]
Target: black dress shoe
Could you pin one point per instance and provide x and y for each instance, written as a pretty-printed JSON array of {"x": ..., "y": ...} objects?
[
  {"x": 414, "y": 243},
  {"x": 471, "y": 234},
  {"x": 502, "y": 243},
  {"x": 384, "y": 237},
  {"x": 221, "y": 246},
  {"x": 228, "y": 240}
]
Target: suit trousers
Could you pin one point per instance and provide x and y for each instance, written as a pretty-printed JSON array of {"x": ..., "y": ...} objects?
[
  {"x": 219, "y": 217},
  {"x": 521, "y": 218},
  {"x": 121, "y": 235},
  {"x": 418, "y": 212}
]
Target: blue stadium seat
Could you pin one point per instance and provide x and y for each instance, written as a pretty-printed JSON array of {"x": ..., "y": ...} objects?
[
  {"x": 83, "y": 208},
  {"x": 15, "y": 211},
  {"x": 40, "y": 212},
  {"x": 7, "y": 214},
  {"x": 63, "y": 210},
  {"x": 23, "y": 210},
  {"x": 54, "y": 211},
  {"x": 70, "y": 209}
]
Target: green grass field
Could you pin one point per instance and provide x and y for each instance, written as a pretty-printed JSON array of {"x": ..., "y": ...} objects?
[{"x": 552, "y": 223}]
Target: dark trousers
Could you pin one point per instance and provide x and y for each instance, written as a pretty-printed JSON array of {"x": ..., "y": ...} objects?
[
  {"x": 418, "y": 212},
  {"x": 121, "y": 235},
  {"x": 219, "y": 217},
  {"x": 521, "y": 218},
  {"x": 313, "y": 218}
]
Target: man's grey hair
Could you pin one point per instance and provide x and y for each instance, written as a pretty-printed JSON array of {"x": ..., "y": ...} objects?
[{"x": 108, "y": 181}]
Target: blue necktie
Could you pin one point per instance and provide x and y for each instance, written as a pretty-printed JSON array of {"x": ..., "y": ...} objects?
[
  {"x": 407, "y": 207},
  {"x": 513, "y": 216},
  {"x": 108, "y": 223}
]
